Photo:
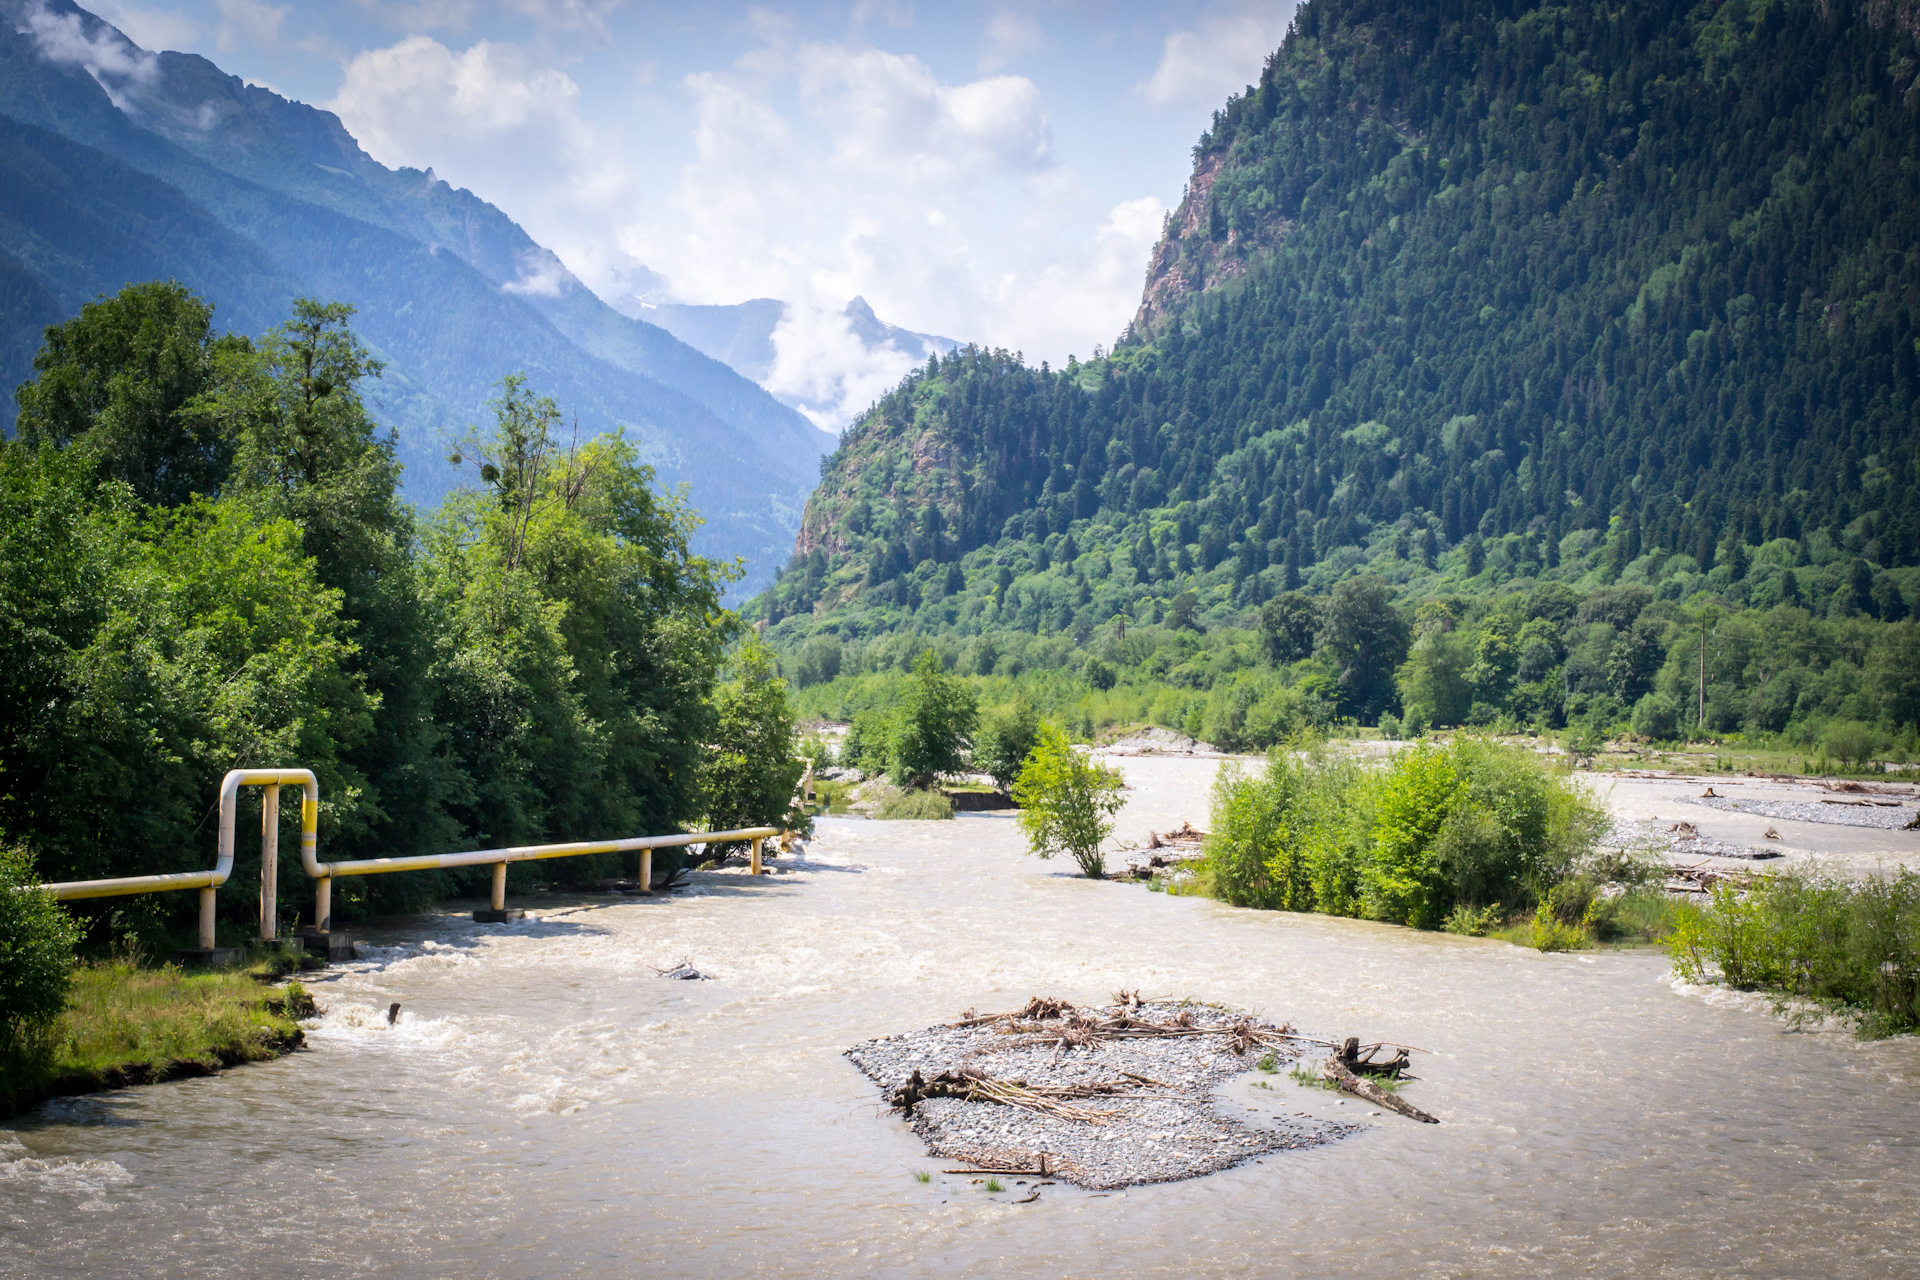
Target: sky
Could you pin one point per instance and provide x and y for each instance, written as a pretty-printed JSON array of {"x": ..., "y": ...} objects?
[{"x": 986, "y": 172}]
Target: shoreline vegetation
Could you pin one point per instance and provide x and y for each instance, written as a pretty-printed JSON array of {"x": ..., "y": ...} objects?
[
  {"x": 128, "y": 1025},
  {"x": 1468, "y": 834}
]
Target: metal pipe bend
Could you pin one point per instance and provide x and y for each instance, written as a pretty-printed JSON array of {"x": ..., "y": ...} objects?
[{"x": 309, "y": 813}]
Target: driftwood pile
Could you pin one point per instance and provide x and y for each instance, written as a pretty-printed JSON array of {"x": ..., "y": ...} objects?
[{"x": 1114, "y": 1095}]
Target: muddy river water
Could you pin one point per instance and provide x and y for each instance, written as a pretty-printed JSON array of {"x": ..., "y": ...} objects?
[{"x": 548, "y": 1105}]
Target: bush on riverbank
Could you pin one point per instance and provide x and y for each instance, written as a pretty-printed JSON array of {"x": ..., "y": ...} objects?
[
  {"x": 1850, "y": 947},
  {"x": 1471, "y": 825},
  {"x": 914, "y": 806},
  {"x": 36, "y": 967}
]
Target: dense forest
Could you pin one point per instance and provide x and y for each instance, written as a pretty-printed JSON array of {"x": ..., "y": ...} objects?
[
  {"x": 1584, "y": 335},
  {"x": 205, "y": 564}
]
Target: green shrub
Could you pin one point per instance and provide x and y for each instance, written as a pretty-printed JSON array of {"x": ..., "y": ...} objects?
[
  {"x": 1549, "y": 933},
  {"x": 1850, "y": 742},
  {"x": 1850, "y": 946},
  {"x": 1474, "y": 922},
  {"x": 37, "y": 938},
  {"x": 1066, "y": 798},
  {"x": 915, "y": 806},
  {"x": 1290, "y": 836},
  {"x": 1645, "y": 913},
  {"x": 1471, "y": 823}
]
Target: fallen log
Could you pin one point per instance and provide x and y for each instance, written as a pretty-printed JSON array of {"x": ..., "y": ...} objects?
[
  {"x": 1337, "y": 1072},
  {"x": 1349, "y": 1055},
  {"x": 969, "y": 1086}
]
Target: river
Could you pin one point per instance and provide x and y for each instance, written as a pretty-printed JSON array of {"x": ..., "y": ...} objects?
[{"x": 548, "y": 1105}]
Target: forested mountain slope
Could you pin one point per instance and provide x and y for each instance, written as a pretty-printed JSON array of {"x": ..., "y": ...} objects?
[
  {"x": 451, "y": 292},
  {"x": 1470, "y": 297}
]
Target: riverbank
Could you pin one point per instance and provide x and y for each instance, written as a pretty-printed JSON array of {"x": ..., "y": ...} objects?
[{"x": 127, "y": 1026}]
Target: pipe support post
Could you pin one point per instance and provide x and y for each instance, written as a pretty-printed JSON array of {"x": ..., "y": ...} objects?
[{"x": 269, "y": 861}]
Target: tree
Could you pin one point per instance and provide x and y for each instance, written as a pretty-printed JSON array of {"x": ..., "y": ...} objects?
[
  {"x": 1656, "y": 717},
  {"x": 119, "y": 380},
  {"x": 751, "y": 770},
  {"x": 1893, "y": 673},
  {"x": 1287, "y": 626},
  {"x": 1495, "y": 659},
  {"x": 1366, "y": 638},
  {"x": 1006, "y": 739},
  {"x": 934, "y": 727},
  {"x": 1066, "y": 798},
  {"x": 1434, "y": 688},
  {"x": 819, "y": 661},
  {"x": 1634, "y": 660},
  {"x": 307, "y": 451},
  {"x": 576, "y": 645}
]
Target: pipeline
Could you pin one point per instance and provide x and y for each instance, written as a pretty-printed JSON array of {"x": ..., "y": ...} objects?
[{"x": 323, "y": 873}]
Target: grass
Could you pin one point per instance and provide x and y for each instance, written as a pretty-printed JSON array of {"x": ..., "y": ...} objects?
[
  {"x": 833, "y": 797},
  {"x": 921, "y": 1175},
  {"x": 1312, "y": 1078},
  {"x": 1309, "y": 1078},
  {"x": 994, "y": 1184},
  {"x": 127, "y": 1025}
]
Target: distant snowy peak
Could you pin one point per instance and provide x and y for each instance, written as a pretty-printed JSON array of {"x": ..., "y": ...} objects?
[{"x": 830, "y": 365}]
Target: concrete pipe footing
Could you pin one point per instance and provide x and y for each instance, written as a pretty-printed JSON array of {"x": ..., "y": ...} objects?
[{"x": 333, "y": 946}]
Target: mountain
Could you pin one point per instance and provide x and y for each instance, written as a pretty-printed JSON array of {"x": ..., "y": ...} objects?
[
  {"x": 451, "y": 292},
  {"x": 1470, "y": 298}
]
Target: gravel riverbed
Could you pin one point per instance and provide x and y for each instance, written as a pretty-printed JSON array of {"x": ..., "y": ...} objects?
[
  {"x": 1165, "y": 1127},
  {"x": 1886, "y": 815}
]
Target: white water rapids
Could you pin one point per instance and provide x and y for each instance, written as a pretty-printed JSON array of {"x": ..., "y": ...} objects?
[{"x": 548, "y": 1105}]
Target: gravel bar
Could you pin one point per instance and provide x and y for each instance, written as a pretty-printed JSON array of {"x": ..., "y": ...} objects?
[
  {"x": 1658, "y": 837},
  {"x": 1837, "y": 813},
  {"x": 1163, "y": 1132}
]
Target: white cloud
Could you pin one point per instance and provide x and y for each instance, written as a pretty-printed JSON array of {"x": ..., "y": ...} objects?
[
  {"x": 1222, "y": 54},
  {"x": 824, "y": 368},
  {"x": 1009, "y": 35},
  {"x": 888, "y": 108},
  {"x": 249, "y": 22},
  {"x": 542, "y": 275},
  {"x": 81, "y": 40},
  {"x": 942, "y": 203},
  {"x": 493, "y": 120},
  {"x": 420, "y": 103},
  {"x": 150, "y": 28},
  {"x": 415, "y": 16},
  {"x": 818, "y": 171}
]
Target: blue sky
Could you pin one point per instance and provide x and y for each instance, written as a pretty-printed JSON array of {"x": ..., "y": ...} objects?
[{"x": 982, "y": 171}]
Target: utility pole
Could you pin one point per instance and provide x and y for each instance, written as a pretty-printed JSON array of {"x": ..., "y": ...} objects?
[{"x": 1703, "y": 668}]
